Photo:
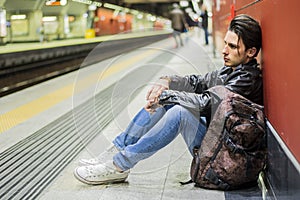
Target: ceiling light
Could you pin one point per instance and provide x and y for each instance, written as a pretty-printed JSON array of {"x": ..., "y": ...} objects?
[
  {"x": 49, "y": 19},
  {"x": 16, "y": 17}
]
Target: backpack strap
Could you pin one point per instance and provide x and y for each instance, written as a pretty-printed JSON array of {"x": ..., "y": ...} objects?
[
  {"x": 232, "y": 146},
  {"x": 218, "y": 92},
  {"x": 212, "y": 176},
  {"x": 186, "y": 182}
]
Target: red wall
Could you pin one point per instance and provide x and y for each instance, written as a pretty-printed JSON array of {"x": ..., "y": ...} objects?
[
  {"x": 108, "y": 24},
  {"x": 279, "y": 58}
]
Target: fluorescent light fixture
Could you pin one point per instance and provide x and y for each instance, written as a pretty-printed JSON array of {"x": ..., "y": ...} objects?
[
  {"x": 153, "y": 18},
  {"x": 16, "y": 17},
  {"x": 63, "y": 2},
  {"x": 92, "y": 7},
  {"x": 140, "y": 16},
  {"x": 89, "y": 2},
  {"x": 49, "y": 19},
  {"x": 85, "y": 15},
  {"x": 116, "y": 13},
  {"x": 112, "y": 6},
  {"x": 184, "y": 3},
  {"x": 134, "y": 12}
]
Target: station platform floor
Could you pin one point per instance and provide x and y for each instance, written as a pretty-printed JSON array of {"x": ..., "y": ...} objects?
[{"x": 127, "y": 78}]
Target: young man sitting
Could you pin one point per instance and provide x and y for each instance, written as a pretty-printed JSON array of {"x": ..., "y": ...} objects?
[{"x": 180, "y": 105}]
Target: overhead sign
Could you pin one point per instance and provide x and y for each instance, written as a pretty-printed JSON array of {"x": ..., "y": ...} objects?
[{"x": 56, "y": 2}]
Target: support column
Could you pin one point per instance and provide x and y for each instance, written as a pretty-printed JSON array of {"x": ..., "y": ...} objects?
[
  {"x": 3, "y": 29},
  {"x": 78, "y": 27},
  {"x": 35, "y": 25},
  {"x": 63, "y": 29},
  {"x": 2, "y": 2}
]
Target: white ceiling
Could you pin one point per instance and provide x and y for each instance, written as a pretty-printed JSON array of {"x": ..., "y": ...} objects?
[{"x": 73, "y": 7}]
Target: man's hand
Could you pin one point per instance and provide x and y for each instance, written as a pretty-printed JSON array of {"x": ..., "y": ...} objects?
[
  {"x": 154, "y": 93},
  {"x": 156, "y": 89},
  {"x": 151, "y": 107}
]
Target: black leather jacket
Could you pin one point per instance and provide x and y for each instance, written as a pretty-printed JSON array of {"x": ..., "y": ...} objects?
[{"x": 190, "y": 91}]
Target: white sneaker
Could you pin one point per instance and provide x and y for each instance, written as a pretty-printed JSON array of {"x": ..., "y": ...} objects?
[
  {"x": 102, "y": 158},
  {"x": 100, "y": 174}
]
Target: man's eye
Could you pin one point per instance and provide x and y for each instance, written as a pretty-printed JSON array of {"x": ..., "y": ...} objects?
[{"x": 232, "y": 46}]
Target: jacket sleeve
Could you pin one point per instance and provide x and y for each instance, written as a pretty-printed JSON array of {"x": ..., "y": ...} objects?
[
  {"x": 196, "y": 103},
  {"x": 192, "y": 83}
]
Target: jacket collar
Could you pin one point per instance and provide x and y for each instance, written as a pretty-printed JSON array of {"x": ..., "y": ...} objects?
[{"x": 251, "y": 63}]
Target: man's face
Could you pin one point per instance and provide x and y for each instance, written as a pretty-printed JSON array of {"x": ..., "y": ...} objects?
[{"x": 234, "y": 52}]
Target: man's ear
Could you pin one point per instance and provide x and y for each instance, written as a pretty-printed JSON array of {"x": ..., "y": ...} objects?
[{"x": 251, "y": 52}]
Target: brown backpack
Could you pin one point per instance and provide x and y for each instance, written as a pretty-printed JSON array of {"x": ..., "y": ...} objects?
[{"x": 233, "y": 151}]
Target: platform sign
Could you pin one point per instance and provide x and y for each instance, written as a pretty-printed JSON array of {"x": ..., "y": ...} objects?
[
  {"x": 56, "y": 2},
  {"x": 3, "y": 32}
]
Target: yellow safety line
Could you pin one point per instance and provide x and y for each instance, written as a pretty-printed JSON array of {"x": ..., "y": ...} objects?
[{"x": 24, "y": 112}]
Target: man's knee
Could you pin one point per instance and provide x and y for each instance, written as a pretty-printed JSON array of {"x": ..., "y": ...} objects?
[{"x": 175, "y": 109}]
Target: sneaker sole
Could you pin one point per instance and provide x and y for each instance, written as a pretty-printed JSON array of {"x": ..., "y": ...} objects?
[{"x": 120, "y": 180}]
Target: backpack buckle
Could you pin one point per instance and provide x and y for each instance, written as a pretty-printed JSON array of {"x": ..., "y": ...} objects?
[{"x": 231, "y": 146}]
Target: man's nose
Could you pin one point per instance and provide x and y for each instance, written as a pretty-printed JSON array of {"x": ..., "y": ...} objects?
[{"x": 225, "y": 50}]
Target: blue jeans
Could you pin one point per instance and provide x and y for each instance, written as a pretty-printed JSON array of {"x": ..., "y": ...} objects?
[{"x": 147, "y": 133}]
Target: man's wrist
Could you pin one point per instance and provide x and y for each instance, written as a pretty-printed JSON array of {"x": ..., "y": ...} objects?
[{"x": 167, "y": 78}]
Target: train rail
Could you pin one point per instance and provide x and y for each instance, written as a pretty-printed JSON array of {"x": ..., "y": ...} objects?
[{"x": 23, "y": 69}]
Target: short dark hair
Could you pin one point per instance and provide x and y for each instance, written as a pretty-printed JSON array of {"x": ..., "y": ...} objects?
[{"x": 248, "y": 30}]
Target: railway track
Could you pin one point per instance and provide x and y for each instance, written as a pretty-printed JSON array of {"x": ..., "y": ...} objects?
[{"x": 23, "y": 69}]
